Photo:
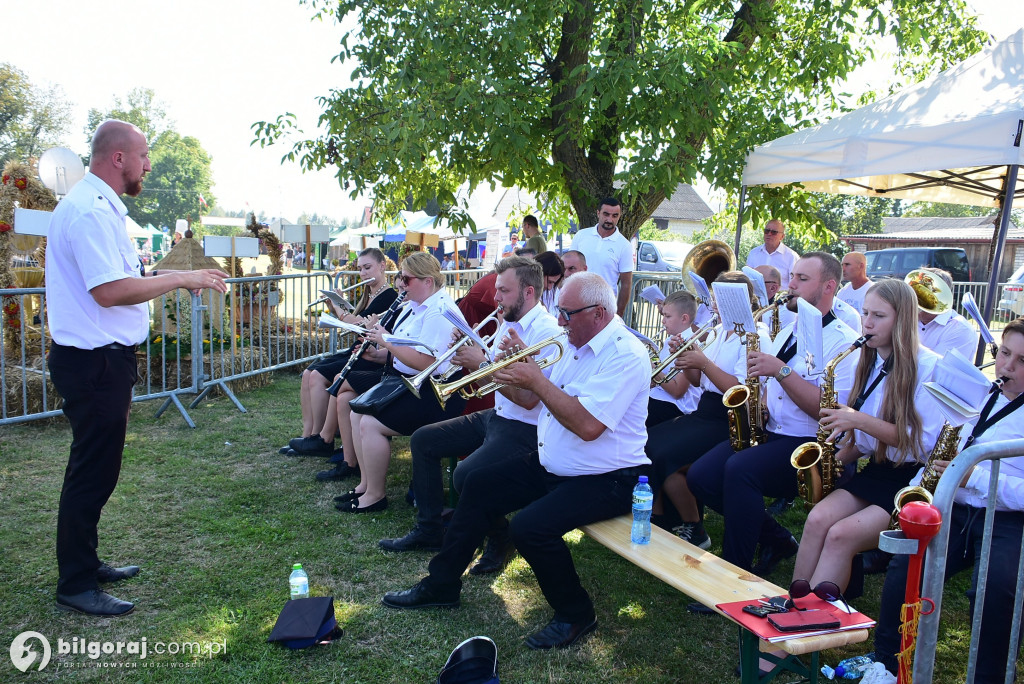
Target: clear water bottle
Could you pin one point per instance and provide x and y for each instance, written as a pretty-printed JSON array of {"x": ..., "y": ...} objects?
[
  {"x": 643, "y": 501},
  {"x": 299, "y": 582},
  {"x": 851, "y": 668}
]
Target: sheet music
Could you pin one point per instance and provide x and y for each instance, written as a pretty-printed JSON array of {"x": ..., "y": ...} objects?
[
  {"x": 953, "y": 409},
  {"x": 653, "y": 294},
  {"x": 329, "y": 321},
  {"x": 701, "y": 286},
  {"x": 759, "y": 287},
  {"x": 733, "y": 300},
  {"x": 808, "y": 337},
  {"x": 337, "y": 299},
  {"x": 456, "y": 319},
  {"x": 407, "y": 342},
  {"x": 971, "y": 307},
  {"x": 959, "y": 380}
]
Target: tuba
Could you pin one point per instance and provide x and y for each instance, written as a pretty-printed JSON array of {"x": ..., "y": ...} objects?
[
  {"x": 709, "y": 259},
  {"x": 933, "y": 294},
  {"x": 817, "y": 469}
]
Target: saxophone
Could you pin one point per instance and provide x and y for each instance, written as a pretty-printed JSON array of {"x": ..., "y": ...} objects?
[
  {"x": 776, "y": 323},
  {"x": 944, "y": 450},
  {"x": 746, "y": 417},
  {"x": 817, "y": 469}
]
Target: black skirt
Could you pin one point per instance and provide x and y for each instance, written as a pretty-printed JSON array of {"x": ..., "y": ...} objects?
[
  {"x": 679, "y": 442},
  {"x": 407, "y": 414},
  {"x": 878, "y": 483}
]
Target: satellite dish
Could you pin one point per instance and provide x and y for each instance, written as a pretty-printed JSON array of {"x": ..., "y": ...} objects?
[{"x": 60, "y": 169}]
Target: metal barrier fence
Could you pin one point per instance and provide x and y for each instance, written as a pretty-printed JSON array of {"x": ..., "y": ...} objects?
[
  {"x": 935, "y": 562},
  {"x": 196, "y": 342}
]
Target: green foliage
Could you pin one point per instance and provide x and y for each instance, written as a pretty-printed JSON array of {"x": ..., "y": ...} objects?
[
  {"x": 32, "y": 119},
  {"x": 140, "y": 107},
  {"x": 568, "y": 99},
  {"x": 946, "y": 210},
  {"x": 181, "y": 173},
  {"x": 649, "y": 231}
]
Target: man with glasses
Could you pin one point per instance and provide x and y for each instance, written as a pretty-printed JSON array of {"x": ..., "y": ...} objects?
[
  {"x": 607, "y": 251},
  {"x": 773, "y": 252},
  {"x": 590, "y": 450}
]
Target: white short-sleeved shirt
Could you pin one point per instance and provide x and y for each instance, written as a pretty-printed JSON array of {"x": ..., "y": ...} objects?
[
  {"x": 949, "y": 330},
  {"x": 606, "y": 256},
  {"x": 784, "y": 416},
  {"x": 426, "y": 323},
  {"x": 854, "y": 296},
  {"x": 847, "y": 314},
  {"x": 924, "y": 404},
  {"x": 536, "y": 326},
  {"x": 729, "y": 352},
  {"x": 782, "y": 258},
  {"x": 88, "y": 245},
  {"x": 686, "y": 403},
  {"x": 610, "y": 375}
]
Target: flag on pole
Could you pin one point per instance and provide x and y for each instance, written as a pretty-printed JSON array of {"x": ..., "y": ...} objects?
[{"x": 202, "y": 201}]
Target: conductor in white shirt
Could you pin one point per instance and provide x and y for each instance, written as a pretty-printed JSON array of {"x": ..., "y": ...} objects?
[{"x": 773, "y": 252}]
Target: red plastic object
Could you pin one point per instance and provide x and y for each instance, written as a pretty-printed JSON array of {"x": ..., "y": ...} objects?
[{"x": 921, "y": 521}]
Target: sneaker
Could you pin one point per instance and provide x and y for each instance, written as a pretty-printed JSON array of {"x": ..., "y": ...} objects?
[{"x": 694, "y": 533}]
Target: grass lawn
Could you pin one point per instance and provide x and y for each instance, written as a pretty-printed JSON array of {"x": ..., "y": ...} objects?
[{"x": 216, "y": 517}]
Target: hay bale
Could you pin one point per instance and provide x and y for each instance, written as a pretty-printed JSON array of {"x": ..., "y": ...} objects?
[{"x": 23, "y": 390}]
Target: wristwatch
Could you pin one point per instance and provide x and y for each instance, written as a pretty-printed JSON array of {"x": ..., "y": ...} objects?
[{"x": 783, "y": 373}]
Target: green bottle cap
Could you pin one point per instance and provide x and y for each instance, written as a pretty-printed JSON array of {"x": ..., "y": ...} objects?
[{"x": 297, "y": 566}]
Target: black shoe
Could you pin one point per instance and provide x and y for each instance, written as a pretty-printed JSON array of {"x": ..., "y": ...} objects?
[
  {"x": 311, "y": 446},
  {"x": 779, "y": 506},
  {"x": 94, "y": 602},
  {"x": 698, "y": 608},
  {"x": 560, "y": 634},
  {"x": 772, "y": 555},
  {"x": 347, "y": 496},
  {"x": 416, "y": 540},
  {"x": 107, "y": 574},
  {"x": 876, "y": 561},
  {"x": 497, "y": 554},
  {"x": 352, "y": 506},
  {"x": 419, "y": 596},
  {"x": 342, "y": 471}
]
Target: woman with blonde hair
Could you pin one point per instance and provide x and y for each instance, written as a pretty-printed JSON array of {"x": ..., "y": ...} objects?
[{"x": 892, "y": 419}]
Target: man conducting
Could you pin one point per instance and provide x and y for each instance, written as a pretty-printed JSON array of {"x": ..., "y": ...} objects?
[{"x": 97, "y": 304}]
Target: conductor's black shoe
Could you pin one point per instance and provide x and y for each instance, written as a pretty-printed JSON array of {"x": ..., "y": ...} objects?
[
  {"x": 416, "y": 540},
  {"x": 560, "y": 634},
  {"x": 107, "y": 574},
  {"x": 312, "y": 446},
  {"x": 497, "y": 554},
  {"x": 773, "y": 554},
  {"x": 94, "y": 602},
  {"x": 420, "y": 596},
  {"x": 342, "y": 471}
]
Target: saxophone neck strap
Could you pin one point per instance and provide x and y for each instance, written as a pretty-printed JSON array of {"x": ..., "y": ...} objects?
[{"x": 985, "y": 422}]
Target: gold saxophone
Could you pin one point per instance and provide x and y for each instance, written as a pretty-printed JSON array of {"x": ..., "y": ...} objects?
[
  {"x": 776, "y": 323},
  {"x": 814, "y": 481},
  {"x": 944, "y": 450},
  {"x": 746, "y": 417}
]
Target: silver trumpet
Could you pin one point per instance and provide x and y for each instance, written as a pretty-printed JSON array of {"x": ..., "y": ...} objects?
[
  {"x": 342, "y": 291},
  {"x": 414, "y": 383}
]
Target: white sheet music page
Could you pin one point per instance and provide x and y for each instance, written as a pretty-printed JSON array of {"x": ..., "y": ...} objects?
[
  {"x": 701, "y": 287},
  {"x": 759, "y": 287},
  {"x": 808, "y": 337},
  {"x": 733, "y": 300},
  {"x": 653, "y": 294}
]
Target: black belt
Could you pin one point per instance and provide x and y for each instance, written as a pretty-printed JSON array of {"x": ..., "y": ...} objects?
[{"x": 117, "y": 346}]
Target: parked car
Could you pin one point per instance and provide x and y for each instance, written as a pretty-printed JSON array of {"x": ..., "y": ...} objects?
[
  {"x": 897, "y": 262},
  {"x": 1011, "y": 304},
  {"x": 657, "y": 255}
]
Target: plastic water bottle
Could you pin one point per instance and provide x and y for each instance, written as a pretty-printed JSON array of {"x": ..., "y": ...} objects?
[
  {"x": 299, "y": 582},
  {"x": 643, "y": 501},
  {"x": 851, "y": 668}
]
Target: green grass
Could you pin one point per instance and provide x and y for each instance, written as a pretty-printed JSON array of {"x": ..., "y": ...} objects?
[{"x": 216, "y": 518}]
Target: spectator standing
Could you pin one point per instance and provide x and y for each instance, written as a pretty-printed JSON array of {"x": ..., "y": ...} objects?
[
  {"x": 608, "y": 253},
  {"x": 773, "y": 252}
]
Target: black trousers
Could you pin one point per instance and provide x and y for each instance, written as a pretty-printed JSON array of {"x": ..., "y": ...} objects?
[
  {"x": 967, "y": 526},
  {"x": 735, "y": 484},
  {"x": 549, "y": 506},
  {"x": 484, "y": 435},
  {"x": 96, "y": 386}
]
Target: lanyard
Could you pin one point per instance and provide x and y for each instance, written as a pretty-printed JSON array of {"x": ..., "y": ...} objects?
[
  {"x": 984, "y": 422},
  {"x": 788, "y": 350},
  {"x": 882, "y": 372}
]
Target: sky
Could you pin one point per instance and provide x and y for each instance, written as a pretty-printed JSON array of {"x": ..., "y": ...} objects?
[{"x": 218, "y": 67}]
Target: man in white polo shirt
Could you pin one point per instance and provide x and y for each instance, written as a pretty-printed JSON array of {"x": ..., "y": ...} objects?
[
  {"x": 98, "y": 313},
  {"x": 607, "y": 251},
  {"x": 855, "y": 273},
  {"x": 773, "y": 252}
]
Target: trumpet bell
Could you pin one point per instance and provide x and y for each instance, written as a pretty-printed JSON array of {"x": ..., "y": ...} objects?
[
  {"x": 708, "y": 259},
  {"x": 933, "y": 294}
]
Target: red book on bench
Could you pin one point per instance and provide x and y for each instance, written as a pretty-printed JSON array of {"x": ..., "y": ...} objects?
[{"x": 763, "y": 629}]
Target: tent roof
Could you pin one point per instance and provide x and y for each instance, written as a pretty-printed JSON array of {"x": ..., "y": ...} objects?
[{"x": 944, "y": 139}]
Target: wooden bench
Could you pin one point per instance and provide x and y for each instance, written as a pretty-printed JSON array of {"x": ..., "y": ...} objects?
[{"x": 711, "y": 580}]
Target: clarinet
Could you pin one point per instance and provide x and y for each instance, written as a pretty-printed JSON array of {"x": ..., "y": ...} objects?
[{"x": 385, "y": 320}]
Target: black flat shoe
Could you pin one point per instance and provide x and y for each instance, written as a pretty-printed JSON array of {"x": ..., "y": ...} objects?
[
  {"x": 347, "y": 496},
  {"x": 772, "y": 555},
  {"x": 352, "y": 506},
  {"x": 560, "y": 634},
  {"x": 419, "y": 596},
  {"x": 106, "y": 574},
  {"x": 342, "y": 471},
  {"x": 94, "y": 602},
  {"x": 416, "y": 540}
]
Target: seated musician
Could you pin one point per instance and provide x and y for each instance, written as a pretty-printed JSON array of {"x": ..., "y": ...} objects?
[
  {"x": 554, "y": 274},
  {"x": 506, "y": 432},
  {"x": 941, "y": 332},
  {"x": 375, "y": 300},
  {"x": 424, "y": 322},
  {"x": 678, "y": 396},
  {"x": 589, "y": 453},
  {"x": 1000, "y": 420},
  {"x": 735, "y": 484},
  {"x": 673, "y": 446},
  {"x": 893, "y": 419}
]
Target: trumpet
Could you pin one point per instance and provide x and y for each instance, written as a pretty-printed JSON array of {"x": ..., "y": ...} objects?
[
  {"x": 325, "y": 298},
  {"x": 414, "y": 383},
  {"x": 445, "y": 390},
  {"x": 694, "y": 342}
]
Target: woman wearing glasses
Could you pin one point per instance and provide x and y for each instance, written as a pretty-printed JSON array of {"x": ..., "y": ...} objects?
[
  {"x": 893, "y": 419},
  {"x": 423, "y": 320}
]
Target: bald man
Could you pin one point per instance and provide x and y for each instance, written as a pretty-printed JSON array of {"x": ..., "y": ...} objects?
[
  {"x": 97, "y": 303},
  {"x": 574, "y": 262},
  {"x": 855, "y": 273}
]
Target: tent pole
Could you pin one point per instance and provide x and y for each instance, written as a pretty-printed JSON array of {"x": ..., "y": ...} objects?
[
  {"x": 997, "y": 258},
  {"x": 739, "y": 221}
]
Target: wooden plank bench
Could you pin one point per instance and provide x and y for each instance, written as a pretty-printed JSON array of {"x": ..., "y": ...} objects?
[{"x": 711, "y": 580}]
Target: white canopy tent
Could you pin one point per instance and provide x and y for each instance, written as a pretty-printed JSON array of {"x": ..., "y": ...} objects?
[{"x": 953, "y": 138}]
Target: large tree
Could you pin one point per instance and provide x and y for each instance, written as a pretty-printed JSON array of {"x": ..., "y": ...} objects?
[
  {"x": 568, "y": 98},
  {"x": 179, "y": 182},
  {"x": 32, "y": 119},
  {"x": 141, "y": 107}
]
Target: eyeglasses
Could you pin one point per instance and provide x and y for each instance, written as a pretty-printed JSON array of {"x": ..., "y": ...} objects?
[
  {"x": 404, "y": 279},
  {"x": 826, "y": 591},
  {"x": 569, "y": 314},
  {"x": 771, "y": 231}
]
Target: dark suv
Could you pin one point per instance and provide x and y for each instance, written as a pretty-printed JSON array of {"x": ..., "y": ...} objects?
[{"x": 897, "y": 262}]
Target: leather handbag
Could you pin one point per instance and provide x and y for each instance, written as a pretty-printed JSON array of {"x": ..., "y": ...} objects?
[{"x": 373, "y": 401}]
